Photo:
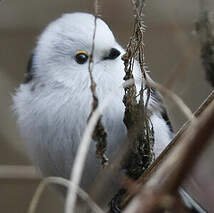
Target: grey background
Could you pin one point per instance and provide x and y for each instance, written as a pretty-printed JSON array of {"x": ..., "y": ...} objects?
[{"x": 172, "y": 53}]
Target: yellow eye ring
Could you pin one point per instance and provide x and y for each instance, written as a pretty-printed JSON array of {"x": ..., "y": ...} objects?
[
  {"x": 81, "y": 57},
  {"x": 81, "y": 52}
]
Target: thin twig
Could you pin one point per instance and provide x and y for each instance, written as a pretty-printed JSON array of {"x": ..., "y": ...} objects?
[
  {"x": 174, "y": 98},
  {"x": 100, "y": 134},
  {"x": 97, "y": 8},
  {"x": 94, "y": 129},
  {"x": 63, "y": 182},
  {"x": 80, "y": 158}
]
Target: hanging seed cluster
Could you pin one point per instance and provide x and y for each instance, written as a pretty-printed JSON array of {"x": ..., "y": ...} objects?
[{"x": 136, "y": 117}]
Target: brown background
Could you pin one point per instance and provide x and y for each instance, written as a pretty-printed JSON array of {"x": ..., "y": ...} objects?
[{"x": 172, "y": 51}]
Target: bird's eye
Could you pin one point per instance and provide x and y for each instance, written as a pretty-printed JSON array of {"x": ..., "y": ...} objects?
[
  {"x": 81, "y": 57},
  {"x": 113, "y": 54}
]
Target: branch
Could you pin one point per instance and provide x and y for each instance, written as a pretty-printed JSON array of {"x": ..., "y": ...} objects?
[
  {"x": 173, "y": 166},
  {"x": 176, "y": 140},
  {"x": 169, "y": 94},
  {"x": 99, "y": 134},
  {"x": 81, "y": 154},
  {"x": 156, "y": 164},
  {"x": 181, "y": 159}
]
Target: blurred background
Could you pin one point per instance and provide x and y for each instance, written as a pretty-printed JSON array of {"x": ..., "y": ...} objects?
[{"x": 172, "y": 55}]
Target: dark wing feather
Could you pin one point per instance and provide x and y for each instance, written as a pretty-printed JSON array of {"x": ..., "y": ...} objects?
[
  {"x": 158, "y": 98},
  {"x": 30, "y": 70}
]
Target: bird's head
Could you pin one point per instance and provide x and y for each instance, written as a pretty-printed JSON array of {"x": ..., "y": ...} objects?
[{"x": 63, "y": 51}]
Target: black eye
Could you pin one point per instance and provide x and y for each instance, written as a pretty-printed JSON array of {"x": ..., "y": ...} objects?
[
  {"x": 113, "y": 54},
  {"x": 81, "y": 57}
]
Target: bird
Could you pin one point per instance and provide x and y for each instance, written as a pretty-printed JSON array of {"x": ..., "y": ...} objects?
[{"x": 54, "y": 102}]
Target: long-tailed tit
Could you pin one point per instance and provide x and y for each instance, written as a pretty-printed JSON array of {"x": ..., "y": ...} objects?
[{"x": 54, "y": 103}]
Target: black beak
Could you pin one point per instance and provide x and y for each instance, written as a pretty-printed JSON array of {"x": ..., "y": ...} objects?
[{"x": 113, "y": 54}]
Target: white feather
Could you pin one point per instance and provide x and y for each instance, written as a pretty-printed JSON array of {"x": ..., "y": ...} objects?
[{"x": 53, "y": 108}]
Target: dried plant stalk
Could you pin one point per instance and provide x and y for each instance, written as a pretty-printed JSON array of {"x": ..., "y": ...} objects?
[
  {"x": 100, "y": 134},
  {"x": 97, "y": 8},
  {"x": 173, "y": 97},
  {"x": 80, "y": 158},
  {"x": 136, "y": 118}
]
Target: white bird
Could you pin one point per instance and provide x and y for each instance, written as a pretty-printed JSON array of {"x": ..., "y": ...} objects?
[{"x": 54, "y": 103}]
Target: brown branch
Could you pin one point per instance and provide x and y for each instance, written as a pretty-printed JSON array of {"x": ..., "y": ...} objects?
[
  {"x": 177, "y": 164},
  {"x": 176, "y": 140},
  {"x": 156, "y": 164},
  {"x": 166, "y": 178},
  {"x": 150, "y": 202},
  {"x": 97, "y": 8}
]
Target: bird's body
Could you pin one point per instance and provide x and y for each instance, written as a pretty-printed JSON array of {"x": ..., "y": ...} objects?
[{"x": 53, "y": 105}]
